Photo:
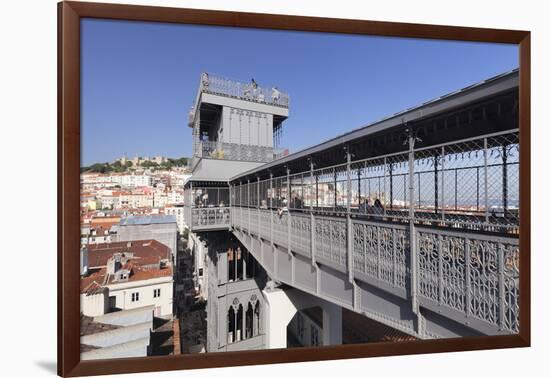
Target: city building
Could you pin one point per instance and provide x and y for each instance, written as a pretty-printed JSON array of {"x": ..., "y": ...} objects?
[
  {"x": 178, "y": 212},
  {"x": 162, "y": 228},
  {"x": 127, "y": 275}
]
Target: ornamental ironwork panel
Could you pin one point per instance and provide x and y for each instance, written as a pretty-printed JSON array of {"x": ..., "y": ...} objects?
[
  {"x": 484, "y": 288},
  {"x": 379, "y": 252},
  {"x": 254, "y": 224},
  {"x": 280, "y": 228},
  {"x": 511, "y": 287},
  {"x": 210, "y": 216},
  {"x": 300, "y": 226},
  {"x": 236, "y": 217},
  {"x": 428, "y": 265},
  {"x": 330, "y": 239},
  {"x": 472, "y": 273},
  {"x": 265, "y": 224}
]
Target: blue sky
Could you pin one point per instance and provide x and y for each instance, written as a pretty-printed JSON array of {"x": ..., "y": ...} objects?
[{"x": 139, "y": 80}]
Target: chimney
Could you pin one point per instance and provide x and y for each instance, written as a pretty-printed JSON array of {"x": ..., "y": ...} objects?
[
  {"x": 113, "y": 264},
  {"x": 83, "y": 261}
]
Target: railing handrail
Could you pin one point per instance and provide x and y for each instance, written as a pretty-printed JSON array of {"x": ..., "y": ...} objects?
[
  {"x": 243, "y": 90},
  {"x": 473, "y": 274},
  {"x": 440, "y": 197}
]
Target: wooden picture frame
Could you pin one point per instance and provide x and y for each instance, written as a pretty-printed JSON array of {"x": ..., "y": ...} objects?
[{"x": 69, "y": 16}]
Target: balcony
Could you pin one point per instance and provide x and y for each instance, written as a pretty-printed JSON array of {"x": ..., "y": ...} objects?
[
  {"x": 243, "y": 91},
  {"x": 236, "y": 152},
  {"x": 210, "y": 218},
  {"x": 206, "y": 208}
]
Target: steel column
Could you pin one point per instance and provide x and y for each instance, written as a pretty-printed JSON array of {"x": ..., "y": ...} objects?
[
  {"x": 486, "y": 184},
  {"x": 412, "y": 232},
  {"x": 289, "y": 222},
  {"x": 385, "y": 190},
  {"x": 348, "y": 219},
  {"x": 443, "y": 183},
  {"x": 312, "y": 219},
  {"x": 505, "y": 181}
]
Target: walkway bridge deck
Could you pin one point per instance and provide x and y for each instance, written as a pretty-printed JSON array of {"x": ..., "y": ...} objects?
[
  {"x": 412, "y": 220},
  {"x": 425, "y": 240}
]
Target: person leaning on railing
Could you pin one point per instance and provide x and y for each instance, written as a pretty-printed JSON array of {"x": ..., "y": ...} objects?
[
  {"x": 205, "y": 81},
  {"x": 364, "y": 207},
  {"x": 284, "y": 208},
  {"x": 275, "y": 95},
  {"x": 378, "y": 208}
]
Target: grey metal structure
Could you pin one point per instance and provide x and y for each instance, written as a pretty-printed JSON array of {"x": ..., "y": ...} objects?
[
  {"x": 412, "y": 221},
  {"x": 235, "y": 127}
]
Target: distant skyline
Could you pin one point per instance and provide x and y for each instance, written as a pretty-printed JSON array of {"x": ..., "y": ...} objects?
[{"x": 140, "y": 79}]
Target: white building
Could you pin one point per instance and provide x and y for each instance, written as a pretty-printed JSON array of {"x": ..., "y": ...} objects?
[
  {"x": 125, "y": 276},
  {"x": 133, "y": 180},
  {"x": 178, "y": 212},
  {"x": 175, "y": 197}
]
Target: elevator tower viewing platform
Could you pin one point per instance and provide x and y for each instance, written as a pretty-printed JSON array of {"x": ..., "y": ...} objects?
[
  {"x": 236, "y": 127},
  {"x": 236, "y": 121}
]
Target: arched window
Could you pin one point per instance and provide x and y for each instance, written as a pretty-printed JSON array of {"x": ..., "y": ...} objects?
[
  {"x": 231, "y": 325},
  {"x": 239, "y": 325},
  {"x": 257, "y": 324},
  {"x": 249, "y": 326}
]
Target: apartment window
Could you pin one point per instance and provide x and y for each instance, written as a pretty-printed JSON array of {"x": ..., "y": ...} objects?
[
  {"x": 135, "y": 297},
  {"x": 200, "y": 272},
  {"x": 156, "y": 293}
]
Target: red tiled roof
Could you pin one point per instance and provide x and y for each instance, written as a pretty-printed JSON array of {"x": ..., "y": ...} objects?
[
  {"x": 95, "y": 282},
  {"x": 146, "y": 252}
]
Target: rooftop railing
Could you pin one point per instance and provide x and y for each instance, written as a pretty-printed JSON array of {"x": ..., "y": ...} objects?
[{"x": 245, "y": 91}]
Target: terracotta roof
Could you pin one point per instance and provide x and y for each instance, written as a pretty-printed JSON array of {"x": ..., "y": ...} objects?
[
  {"x": 145, "y": 252},
  {"x": 96, "y": 282},
  {"x": 139, "y": 273},
  {"x": 91, "y": 284}
]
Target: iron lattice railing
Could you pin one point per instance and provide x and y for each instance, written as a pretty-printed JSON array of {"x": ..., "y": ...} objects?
[
  {"x": 246, "y": 91},
  {"x": 210, "y": 216},
  {"x": 472, "y": 274},
  {"x": 470, "y": 184},
  {"x": 234, "y": 151}
]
